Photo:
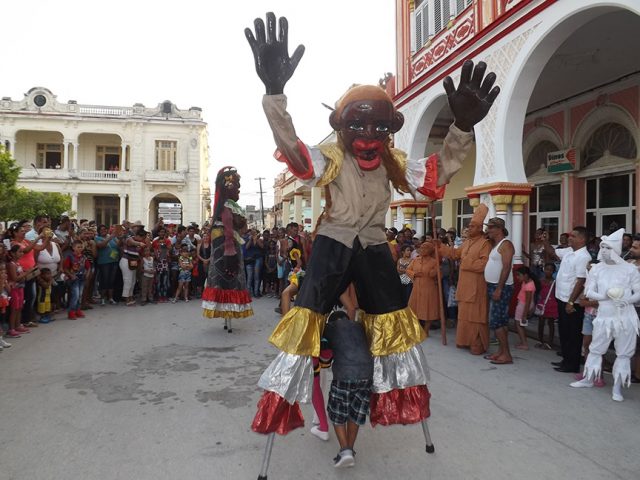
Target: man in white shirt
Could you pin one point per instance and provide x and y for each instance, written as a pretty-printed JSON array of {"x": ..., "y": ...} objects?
[{"x": 569, "y": 284}]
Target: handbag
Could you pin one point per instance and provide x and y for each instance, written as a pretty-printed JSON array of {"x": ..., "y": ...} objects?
[
  {"x": 539, "y": 310},
  {"x": 133, "y": 263}
]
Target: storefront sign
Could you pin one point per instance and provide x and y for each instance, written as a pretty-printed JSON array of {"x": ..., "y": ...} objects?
[
  {"x": 563, "y": 161},
  {"x": 170, "y": 212}
]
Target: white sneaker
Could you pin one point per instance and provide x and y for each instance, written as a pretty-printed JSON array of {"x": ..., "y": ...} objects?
[
  {"x": 344, "y": 459},
  {"x": 315, "y": 430},
  {"x": 3, "y": 343},
  {"x": 584, "y": 383}
]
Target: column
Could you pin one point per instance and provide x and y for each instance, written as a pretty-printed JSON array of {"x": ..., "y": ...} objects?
[
  {"x": 123, "y": 206},
  {"x": 286, "y": 212},
  {"x": 123, "y": 157},
  {"x": 76, "y": 148},
  {"x": 407, "y": 213},
  {"x": 74, "y": 202},
  {"x": 297, "y": 208},
  {"x": 65, "y": 159},
  {"x": 12, "y": 148},
  {"x": 316, "y": 206},
  {"x": 502, "y": 201},
  {"x": 421, "y": 215},
  {"x": 517, "y": 225}
]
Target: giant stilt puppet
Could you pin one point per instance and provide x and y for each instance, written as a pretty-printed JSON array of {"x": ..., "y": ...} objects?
[
  {"x": 226, "y": 295},
  {"x": 350, "y": 245}
]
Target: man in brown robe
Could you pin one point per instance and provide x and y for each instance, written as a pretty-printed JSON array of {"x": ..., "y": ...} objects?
[{"x": 471, "y": 294}]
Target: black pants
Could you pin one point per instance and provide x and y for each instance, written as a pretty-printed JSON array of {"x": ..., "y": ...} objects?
[
  {"x": 333, "y": 266},
  {"x": 570, "y": 329}
]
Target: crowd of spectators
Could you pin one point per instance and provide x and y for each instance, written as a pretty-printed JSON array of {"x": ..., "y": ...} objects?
[{"x": 58, "y": 265}]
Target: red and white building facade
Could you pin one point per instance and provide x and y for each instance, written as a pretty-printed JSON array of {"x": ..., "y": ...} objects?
[{"x": 560, "y": 146}]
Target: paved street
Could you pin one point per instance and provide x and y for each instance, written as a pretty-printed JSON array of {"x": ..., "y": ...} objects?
[{"x": 158, "y": 392}]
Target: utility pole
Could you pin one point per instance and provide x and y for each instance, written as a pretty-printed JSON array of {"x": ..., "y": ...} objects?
[{"x": 261, "y": 204}]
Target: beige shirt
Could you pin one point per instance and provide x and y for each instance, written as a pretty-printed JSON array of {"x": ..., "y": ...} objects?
[{"x": 360, "y": 199}]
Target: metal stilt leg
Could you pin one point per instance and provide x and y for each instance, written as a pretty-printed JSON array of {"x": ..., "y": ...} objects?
[
  {"x": 225, "y": 323},
  {"x": 229, "y": 325},
  {"x": 267, "y": 457},
  {"x": 425, "y": 429}
]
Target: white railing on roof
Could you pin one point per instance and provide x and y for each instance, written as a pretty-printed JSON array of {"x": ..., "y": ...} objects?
[{"x": 103, "y": 110}]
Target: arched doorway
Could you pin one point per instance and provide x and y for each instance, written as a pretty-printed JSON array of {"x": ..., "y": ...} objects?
[
  {"x": 167, "y": 206},
  {"x": 573, "y": 50},
  {"x": 576, "y": 72},
  {"x": 454, "y": 210}
]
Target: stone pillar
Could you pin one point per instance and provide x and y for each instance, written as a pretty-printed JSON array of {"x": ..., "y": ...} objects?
[
  {"x": 316, "y": 205},
  {"x": 65, "y": 159},
  {"x": 12, "y": 147},
  {"x": 517, "y": 226},
  {"x": 421, "y": 215},
  {"x": 408, "y": 212},
  {"x": 123, "y": 206},
  {"x": 76, "y": 155},
  {"x": 286, "y": 212},
  {"x": 74, "y": 202},
  {"x": 502, "y": 201},
  {"x": 123, "y": 157},
  {"x": 297, "y": 208}
]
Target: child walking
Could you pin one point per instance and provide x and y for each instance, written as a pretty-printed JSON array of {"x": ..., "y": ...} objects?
[
  {"x": 350, "y": 392},
  {"x": 43, "y": 295},
  {"x": 75, "y": 267},
  {"x": 185, "y": 266},
  {"x": 148, "y": 274},
  {"x": 525, "y": 305},
  {"x": 549, "y": 307}
]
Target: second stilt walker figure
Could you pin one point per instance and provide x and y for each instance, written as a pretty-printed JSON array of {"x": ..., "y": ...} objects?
[
  {"x": 357, "y": 171},
  {"x": 226, "y": 295}
]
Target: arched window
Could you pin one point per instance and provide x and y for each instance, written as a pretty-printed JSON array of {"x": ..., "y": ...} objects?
[
  {"x": 538, "y": 157},
  {"x": 609, "y": 139}
]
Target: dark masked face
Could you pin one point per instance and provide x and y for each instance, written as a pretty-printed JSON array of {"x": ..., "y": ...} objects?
[
  {"x": 233, "y": 189},
  {"x": 365, "y": 127}
]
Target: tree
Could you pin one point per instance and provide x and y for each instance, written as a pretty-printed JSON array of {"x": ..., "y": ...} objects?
[
  {"x": 17, "y": 203},
  {"x": 25, "y": 203},
  {"x": 9, "y": 173}
]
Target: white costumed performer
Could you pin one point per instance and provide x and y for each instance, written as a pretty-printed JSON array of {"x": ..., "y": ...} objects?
[{"x": 615, "y": 285}]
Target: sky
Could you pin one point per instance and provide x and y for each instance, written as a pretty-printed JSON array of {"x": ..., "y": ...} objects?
[{"x": 194, "y": 53}]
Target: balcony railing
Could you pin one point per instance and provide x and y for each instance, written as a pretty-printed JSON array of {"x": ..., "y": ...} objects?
[
  {"x": 64, "y": 174},
  {"x": 165, "y": 176},
  {"x": 101, "y": 174}
]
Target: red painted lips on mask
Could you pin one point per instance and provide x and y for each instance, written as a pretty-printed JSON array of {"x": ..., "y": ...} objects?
[{"x": 367, "y": 153}]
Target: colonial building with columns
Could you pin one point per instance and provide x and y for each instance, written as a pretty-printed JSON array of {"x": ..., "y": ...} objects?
[
  {"x": 560, "y": 146},
  {"x": 116, "y": 163}
]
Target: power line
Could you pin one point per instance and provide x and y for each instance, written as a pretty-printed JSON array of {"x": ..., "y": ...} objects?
[{"x": 261, "y": 204}]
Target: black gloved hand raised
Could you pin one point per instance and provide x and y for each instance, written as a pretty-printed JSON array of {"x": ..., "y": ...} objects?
[
  {"x": 473, "y": 98},
  {"x": 271, "y": 54}
]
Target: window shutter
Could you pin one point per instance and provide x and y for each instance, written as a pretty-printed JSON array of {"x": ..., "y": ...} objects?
[
  {"x": 446, "y": 12},
  {"x": 418, "y": 30},
  {"x": 437, "y": 11}
]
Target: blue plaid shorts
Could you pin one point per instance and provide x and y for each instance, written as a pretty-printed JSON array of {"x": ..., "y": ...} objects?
[
  {"x": 349, "y": 400},
  {"x": 499, "y": 311}
]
